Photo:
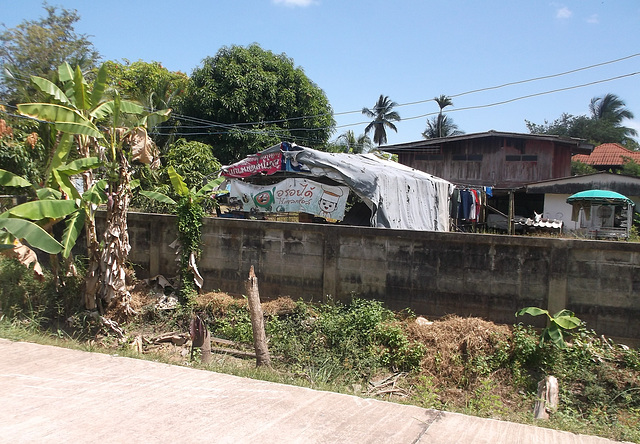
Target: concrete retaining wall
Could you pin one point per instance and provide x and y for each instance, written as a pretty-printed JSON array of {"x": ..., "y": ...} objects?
[{"x": 433, "y": 274}]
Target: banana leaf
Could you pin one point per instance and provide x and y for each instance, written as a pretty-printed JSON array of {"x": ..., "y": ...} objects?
[
  {"x": 8, "y": 179},
  {"x": 73, "y": 228},
  {"x": 159, "y": 197},
  {"x": 178, "y": 184},
  {"x": 62, "y": 151},
  {"x": 50, "y": 88},
  {"x": 44, "y": 209},
  {"x": 99, "y": 85},
  {"x": 50, "y": 112},
  {"x": 85, "y": 128},
  {"x": 65, "y": 73},
  {"x": 32, "y": 233},
  {"x": 48, "y": 194},
  {"x": 63, "y": 181},
  {"x": 95, "y": 194},
  {"x": 80, "y": 90},
  {"x": 79, "y": 166}
]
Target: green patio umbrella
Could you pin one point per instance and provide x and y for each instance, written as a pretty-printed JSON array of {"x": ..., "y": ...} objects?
[{"x": 605, "y": 196}]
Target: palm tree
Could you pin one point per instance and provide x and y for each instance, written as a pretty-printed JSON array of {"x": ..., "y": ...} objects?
[
  {"x": 382, "y": 116},
  {"x": 441, "y": 126},
  {"x": 612, "y": 109},
  {"x": 352, "y": 144},
  {"x": 443, "y": 101}
]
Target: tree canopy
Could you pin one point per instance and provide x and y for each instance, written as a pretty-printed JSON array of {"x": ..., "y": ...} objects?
[
  {"x": 250, "y": 98},
  {"x": 604, "y": 125},
  {"x": 149, "y": 83},
  {"x": 37, "y": 48}
]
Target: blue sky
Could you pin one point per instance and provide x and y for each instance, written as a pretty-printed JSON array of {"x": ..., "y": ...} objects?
[{"x": 409, "y": 50}]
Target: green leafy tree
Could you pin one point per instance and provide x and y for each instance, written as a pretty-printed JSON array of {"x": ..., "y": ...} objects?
[
  {"x": 630, "y": 168},
  {"x": 580, "y": 168},
  {"x": 149, "y": 83},
  {"x": 383, "y": 117},
  {"x": 250, "y": 98},
  {"x": 193, "y": 161},
  {"x": 38, "y": 47},
  {"x": 604, "y": 125},
  {"x": 153, "y": 86}
]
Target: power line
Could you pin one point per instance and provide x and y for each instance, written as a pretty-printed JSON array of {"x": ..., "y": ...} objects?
[{"x": 228, "y": 127}]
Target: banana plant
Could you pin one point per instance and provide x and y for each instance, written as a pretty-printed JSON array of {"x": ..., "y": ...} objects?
[
  {"x": 189, "y": 210},
  {"x": 558, "y": 325},
  {"x": 29, "y": 220},
  {"x": 97, "y": 121}
]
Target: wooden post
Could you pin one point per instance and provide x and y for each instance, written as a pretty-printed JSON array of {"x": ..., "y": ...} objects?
[
  {"x": 257, "y": 321},
  {"x": 547, "y": 399},
  {"x": 510, "y": 226},
  {"x": 200, "y": 338}
]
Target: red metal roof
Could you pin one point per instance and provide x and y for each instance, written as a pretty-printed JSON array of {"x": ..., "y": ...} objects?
[{"x": 608, "y": 154}]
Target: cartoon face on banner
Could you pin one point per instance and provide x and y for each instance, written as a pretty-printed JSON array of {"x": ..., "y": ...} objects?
[
  {"x": 329, "y": 200},
  {"x": 291, "y": 195}
]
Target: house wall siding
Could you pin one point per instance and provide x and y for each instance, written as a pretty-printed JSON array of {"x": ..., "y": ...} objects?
[{"x": 497, "y": 161}]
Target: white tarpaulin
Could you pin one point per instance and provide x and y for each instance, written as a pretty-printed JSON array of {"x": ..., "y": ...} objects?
[
  {"x": 291, "y": 195},
  {"x": 398, "y": 196}
]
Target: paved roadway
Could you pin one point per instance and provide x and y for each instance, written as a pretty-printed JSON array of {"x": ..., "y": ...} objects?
[{"x": 56, "y": 395}]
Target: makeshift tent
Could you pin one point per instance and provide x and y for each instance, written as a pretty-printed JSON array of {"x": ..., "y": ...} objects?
[
  {"x": 602, "y": 213},
  {"x": 398, "y": 196}
]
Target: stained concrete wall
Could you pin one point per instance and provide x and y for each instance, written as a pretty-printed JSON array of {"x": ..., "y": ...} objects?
[{"x": 433, "y": 274}]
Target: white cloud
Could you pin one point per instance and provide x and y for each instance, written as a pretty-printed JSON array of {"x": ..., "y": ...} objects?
[
  {"x": 294, "y": 3},
  {"x": 593, "y": 19},
  {"x": 563, "y": 13}
]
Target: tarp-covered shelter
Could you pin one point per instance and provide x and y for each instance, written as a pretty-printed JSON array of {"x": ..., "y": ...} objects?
[
  {"x": 398, "y": 196},
  {"x": 602, "y": 213}
]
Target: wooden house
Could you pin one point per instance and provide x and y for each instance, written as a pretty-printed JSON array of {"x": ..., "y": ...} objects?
[{"x": 497, "y": 159}]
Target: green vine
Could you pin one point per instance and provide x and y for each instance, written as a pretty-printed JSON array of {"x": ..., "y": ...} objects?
[{"x": 190, "y": 214}]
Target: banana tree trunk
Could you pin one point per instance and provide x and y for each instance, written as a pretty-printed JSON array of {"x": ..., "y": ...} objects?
[
  {"x": 93, "y": 251},
  {"x": 113, "y": 290}
]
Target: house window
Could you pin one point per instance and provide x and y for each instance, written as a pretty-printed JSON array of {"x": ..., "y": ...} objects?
[
  {"x": 468, "y": 157},
  {"x": 429, "y": 157},
  {"x": 523, "y": 158}
]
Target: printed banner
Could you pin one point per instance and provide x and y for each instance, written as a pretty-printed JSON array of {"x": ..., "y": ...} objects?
[
  {"x": 258, "y": 164},
  {"x": 290, "y": 195}
]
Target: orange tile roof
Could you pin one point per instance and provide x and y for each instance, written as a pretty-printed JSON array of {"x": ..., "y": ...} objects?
[{"x": 608, "y": 154}]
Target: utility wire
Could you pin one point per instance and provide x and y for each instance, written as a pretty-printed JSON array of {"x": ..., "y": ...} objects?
[{"x": 203, "y": 124}]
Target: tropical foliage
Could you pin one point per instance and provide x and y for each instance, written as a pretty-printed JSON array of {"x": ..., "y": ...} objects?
[
  {"x": 189, "y": 209},
  {"x": 441, "y": 125},
  {"x": 349, "y": 143},
  {"x": 604, "y": 125},
  {"x": 383, "y": 117},
  {"x": 75, "y": 110},
  {"x": 558, "y": 325}
]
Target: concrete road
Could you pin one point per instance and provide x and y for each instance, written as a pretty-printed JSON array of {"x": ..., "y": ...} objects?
[{"x": 55, "y": 395}]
